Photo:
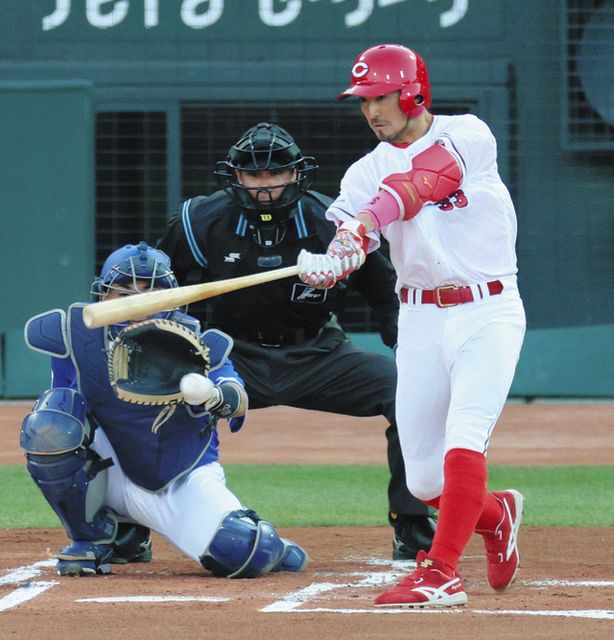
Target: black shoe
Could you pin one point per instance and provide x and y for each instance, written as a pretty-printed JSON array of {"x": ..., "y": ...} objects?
[
  {"x": 132, "y": 544},
  {"x": 411, "y": 534}
]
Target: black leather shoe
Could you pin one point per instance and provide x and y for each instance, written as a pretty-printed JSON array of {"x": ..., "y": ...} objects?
[{"x": 412, "y": 534}]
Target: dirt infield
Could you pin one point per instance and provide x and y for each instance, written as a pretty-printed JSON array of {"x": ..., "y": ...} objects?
[{"x": 565, "y": 588}]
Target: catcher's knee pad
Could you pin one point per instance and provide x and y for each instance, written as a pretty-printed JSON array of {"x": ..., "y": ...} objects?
[
  {"x": 71, "y": 476},
  {"x": 244, "y": 546}
]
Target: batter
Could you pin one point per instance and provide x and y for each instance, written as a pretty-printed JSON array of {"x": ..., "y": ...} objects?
[{"x": 431, "y": 188}]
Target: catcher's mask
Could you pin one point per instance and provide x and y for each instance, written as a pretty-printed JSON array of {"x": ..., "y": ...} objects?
[
  {"x": 385, "y": 68},
  {"x": 128, "y": 266},
  {"x": 266, "y": 147}
]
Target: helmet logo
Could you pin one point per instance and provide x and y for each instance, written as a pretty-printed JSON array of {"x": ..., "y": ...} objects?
[
  {"x": 266, "y": 217},
  {"x": 360, "y": 69}
]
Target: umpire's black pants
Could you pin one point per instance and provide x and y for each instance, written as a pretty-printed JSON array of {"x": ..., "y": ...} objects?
[{"x": 329, "y": 373}]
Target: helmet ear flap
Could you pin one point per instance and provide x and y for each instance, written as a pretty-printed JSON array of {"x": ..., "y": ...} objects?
[{"x": 411, "y": 101}]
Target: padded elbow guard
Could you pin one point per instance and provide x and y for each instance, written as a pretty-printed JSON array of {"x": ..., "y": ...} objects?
[{"x": 434, "y": 175}]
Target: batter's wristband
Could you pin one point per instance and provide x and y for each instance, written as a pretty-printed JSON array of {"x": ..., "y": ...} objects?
[
  {"x": 230, "y": 401},
  {"x": 385, "y": 208}
]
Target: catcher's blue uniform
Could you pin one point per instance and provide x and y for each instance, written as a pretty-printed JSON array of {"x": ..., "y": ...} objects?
[
  {"x": 99, "y": 460},
  {"x": 154, "y": 445}
]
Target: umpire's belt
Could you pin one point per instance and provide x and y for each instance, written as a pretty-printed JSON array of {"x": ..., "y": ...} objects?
[
  {"x": 286, "y": 339},
  {"x": 449, "y": 295}
]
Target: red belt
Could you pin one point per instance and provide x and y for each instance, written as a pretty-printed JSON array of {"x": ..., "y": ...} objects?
[{"x": 449, "y": 295}]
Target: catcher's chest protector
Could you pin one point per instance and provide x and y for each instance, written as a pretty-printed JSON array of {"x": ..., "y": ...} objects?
[{"x": 169, "y": 440}]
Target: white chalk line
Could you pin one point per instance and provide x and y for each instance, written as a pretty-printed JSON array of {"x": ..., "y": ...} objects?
[
  {"x": 568, "y": 583},
  {"x": 27, "y": 590},
  {"x": 116, "y": 599},
  {"x": 21, "y": 574},
  {"x": 23, "y": 593},
  {"x": 294, "y": 602}
]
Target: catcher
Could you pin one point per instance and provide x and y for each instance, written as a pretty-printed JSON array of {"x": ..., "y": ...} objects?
[{"x": 125, "y": 441}]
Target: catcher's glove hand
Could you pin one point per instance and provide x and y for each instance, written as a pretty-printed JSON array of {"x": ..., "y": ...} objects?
[{"x": 148, "y": 359}]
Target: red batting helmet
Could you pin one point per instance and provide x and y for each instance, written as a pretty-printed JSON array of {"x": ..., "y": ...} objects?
[{"x": 391, "y": 67}]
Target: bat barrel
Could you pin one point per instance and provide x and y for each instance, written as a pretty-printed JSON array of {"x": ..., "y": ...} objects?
[{"x": 142, "y": 305}]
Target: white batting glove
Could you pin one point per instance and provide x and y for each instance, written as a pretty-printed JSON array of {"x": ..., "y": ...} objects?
[
  {"x": 349, "y": 245},
  {"x": 349, "y": 240},
  {"x": 198, "y": 389},
  {"x": 319, "y": 270}
]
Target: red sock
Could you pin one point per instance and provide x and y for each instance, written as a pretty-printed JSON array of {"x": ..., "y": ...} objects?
[
  {"x": 492, "y": 513},
  {"x": 460, "y": 504}
]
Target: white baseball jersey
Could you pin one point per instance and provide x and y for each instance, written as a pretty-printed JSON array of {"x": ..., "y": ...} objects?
[
  {"x": 451, "y": 388},
  {"x": 469, "y": 237}
]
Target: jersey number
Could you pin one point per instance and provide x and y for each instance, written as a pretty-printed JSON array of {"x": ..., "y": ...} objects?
[{"x": 457, "y": 200}]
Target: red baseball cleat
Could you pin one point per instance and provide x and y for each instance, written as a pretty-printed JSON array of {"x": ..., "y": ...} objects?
[
  {"x": 430, "y": 585},
  {"x": 502, "y": 545}
]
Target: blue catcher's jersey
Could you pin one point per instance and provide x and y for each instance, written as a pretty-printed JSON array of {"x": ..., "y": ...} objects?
[{"x": 154, "y": 444}]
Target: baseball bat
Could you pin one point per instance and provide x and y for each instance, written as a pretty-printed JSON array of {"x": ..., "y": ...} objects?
[{"x": 142, "y": 305}]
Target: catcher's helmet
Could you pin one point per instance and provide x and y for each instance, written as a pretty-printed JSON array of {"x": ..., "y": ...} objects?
[
  {"x": 131, "y": 263},
  {"x": 266, "y": 147},
  {"x": 391, "y": 67}
]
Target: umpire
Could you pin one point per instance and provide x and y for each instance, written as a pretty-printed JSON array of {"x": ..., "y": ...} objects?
[{"x": 288, "y": 345}]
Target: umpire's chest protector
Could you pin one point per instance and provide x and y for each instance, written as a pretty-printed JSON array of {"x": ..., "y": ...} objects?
[{"x": 154, "y": 444}]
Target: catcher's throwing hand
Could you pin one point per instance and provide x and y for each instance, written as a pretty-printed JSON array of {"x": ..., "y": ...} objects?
[
  {"x": 225, "y": 400},
  {"x": 198, "y": 389}
]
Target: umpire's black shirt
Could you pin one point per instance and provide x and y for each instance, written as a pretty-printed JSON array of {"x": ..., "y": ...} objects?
[{"x": 210, "y": 239}]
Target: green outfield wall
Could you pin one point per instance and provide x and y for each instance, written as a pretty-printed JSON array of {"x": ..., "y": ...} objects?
[{"x": 116, "y": 110}]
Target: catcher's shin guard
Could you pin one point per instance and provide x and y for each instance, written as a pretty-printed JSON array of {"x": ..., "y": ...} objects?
[
  {"x": 293, "y": 559},
  {"x": 245, "y": 546},
  {"x": 71, "y": 476}
]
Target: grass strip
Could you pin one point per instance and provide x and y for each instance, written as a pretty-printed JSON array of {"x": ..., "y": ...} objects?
[{"x": 355, "y": 495}]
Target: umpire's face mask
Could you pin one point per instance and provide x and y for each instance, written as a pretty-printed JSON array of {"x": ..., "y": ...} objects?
[{"x": 265, "y": 187}]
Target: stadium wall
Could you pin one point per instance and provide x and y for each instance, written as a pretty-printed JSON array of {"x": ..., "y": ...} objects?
[{"x": 116, "y": 110}]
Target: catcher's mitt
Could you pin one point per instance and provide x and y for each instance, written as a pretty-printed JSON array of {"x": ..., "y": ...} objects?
[{"x": 148, "y": 359}]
